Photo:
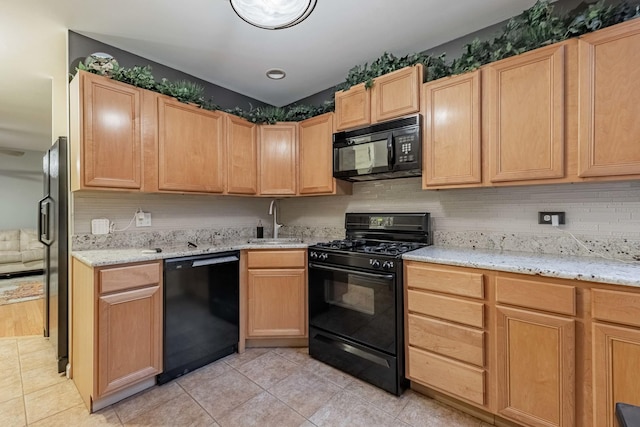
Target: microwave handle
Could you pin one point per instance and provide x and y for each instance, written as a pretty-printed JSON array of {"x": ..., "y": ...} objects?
[{"x": 390, "y": 150}]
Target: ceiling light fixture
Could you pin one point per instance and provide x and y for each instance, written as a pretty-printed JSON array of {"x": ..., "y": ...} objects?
[
  {"x": 276, "y": 74},
  {"x": 273, "y": 14}
]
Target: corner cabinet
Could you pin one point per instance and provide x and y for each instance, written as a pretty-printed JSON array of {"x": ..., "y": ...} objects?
[
  {"x": 452, "y": 137},
  {"x": 105, "y": 134},
  {"x": 278, "y": 159},
  {"x": 276, "y": 293},
  {"x": 191, "y": 148},
  {"x": 524, "y": 115},
  {"x": 393, "y": 95},
  {"x": 609, "y": 85},
  {"x": 242, "y": 156},
  {"x": 116, "y": 332},
  {"x": 316, "y": 155}
]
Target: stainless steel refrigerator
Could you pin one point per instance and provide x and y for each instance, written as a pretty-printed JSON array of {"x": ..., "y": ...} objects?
[{"x": 53, "y": 232}]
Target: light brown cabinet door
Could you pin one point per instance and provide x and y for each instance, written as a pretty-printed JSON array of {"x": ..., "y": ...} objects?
[
  {"x": 396, "y": 94},
  {"x": 242, "y": 152},
  {"x": 129, "y": 338},
  {"x": 278, "y": 159},
  {"x": 452, "y": 131},
  {"x": 523, "y": 115},
  {"x": 190, "y": 148},
  {"x": 609, "y": 85},
  {"x": 353, "y": 107},
  {"x": 111, "y": 137},
  {"x": 536, "y": 367},
  {"x": 316, "y": 155},
  {"x": 276, "y": 303},
  {"x": 616, "y": 358}
]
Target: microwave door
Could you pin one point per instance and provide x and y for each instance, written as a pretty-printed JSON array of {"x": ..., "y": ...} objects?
[{"x": 363, "y": 159}]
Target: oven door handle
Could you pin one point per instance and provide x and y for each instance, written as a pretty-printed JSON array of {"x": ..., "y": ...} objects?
[{"x": 345, "y": 270}]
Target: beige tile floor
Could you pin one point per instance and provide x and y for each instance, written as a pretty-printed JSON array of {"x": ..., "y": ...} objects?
[{"x": 261, "y": 387}]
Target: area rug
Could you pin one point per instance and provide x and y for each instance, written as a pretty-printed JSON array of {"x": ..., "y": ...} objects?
[{"x": 20, "y": 289}]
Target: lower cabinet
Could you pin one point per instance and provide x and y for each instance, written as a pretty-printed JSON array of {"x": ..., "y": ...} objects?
[
  {"x": 616, "y": 353},
  {"x": 116, "y": 334},
  {"x": 276, "y": 294}
]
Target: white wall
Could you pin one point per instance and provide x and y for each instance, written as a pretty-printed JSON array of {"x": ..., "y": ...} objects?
[{"x": 21, "y": 186}]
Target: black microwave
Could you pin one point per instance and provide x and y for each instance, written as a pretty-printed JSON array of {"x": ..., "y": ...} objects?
[{"x": 385, "y": 150}]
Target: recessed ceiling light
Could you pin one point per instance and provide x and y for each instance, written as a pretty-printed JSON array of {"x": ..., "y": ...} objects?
[{"x": 276, "y": 74}]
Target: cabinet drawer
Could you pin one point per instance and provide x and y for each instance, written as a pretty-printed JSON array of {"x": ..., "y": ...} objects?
[
  {"x": 460, "y": 311},
  {"x": 447, "y": 339},
  {"x": 444, "y": 280},
  {"x": 537, "y": 295},
  {"x": 128, "y": 277},
  {"x": 275, "y": 259},
  {"x": 447, "y": 375},
  {"x": 617, "y": 307}
]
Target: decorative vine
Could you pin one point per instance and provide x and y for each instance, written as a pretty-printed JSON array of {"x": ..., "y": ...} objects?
[{"x": 536, "y": 27}]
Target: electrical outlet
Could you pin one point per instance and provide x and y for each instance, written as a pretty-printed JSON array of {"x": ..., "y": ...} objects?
[
  {"x": 143, "y": 219},
  {"x": 545, "y": 217}
]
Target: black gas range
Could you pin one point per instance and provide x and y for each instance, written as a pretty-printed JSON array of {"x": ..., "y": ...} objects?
[{"x": 356, "y": 299}]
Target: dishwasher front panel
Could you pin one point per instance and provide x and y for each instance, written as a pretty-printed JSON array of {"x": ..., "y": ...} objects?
[{"x": 201, "y": 311}]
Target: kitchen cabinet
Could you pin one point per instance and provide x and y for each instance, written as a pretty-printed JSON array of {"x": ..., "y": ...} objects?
[
  {"x": 116, "y": 333},
  {"x": 616, "y": 353},
  {"x": 535, "y": 351},
  {"x": 452, "y": 132},
  {"x": 393, "y": 95},
  {"x": 609, "y": 86},
  {"x": 278, "y": 159},
  {"x": 524, "y": 115},
  {"x": 316, "y": 155},
  {"x": 242, "y": 155},
  {"x": 446, "y": 330},
  {"x": 191, "y": 148},
  {"x": 105, "y": 134},
  {"x": 276, "y": 293}
]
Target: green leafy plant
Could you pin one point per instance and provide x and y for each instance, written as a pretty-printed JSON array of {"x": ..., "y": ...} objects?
[
  {"x": 182, "y": 90},
  {"x": 136, "y": 76}
]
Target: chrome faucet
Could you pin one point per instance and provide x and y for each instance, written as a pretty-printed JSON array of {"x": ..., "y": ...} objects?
[{"x": 273, "y": 209}]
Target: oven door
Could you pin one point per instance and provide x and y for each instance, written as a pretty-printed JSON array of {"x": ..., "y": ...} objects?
[{"x": 356, "y": 305}]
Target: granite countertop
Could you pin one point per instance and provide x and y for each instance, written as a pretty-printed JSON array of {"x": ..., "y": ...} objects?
[
  {"x": 101, "y": 257},
  {"x": 564, "y": 267}
]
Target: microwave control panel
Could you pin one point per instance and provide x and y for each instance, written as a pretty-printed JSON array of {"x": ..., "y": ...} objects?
[{"x": 406, "y": 145}]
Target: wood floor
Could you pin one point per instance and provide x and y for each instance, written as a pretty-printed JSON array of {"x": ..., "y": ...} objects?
[{"x": 21, "y": 319}]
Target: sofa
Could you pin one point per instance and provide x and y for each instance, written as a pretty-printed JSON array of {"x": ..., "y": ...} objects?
[{"x": 20, "y": 252}]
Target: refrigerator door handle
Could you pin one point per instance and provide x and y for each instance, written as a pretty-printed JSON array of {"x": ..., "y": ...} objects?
[{"x": 43, "y": 224}]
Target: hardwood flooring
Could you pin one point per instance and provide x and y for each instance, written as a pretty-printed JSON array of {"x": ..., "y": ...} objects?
[{"x": 22, "y": 318}]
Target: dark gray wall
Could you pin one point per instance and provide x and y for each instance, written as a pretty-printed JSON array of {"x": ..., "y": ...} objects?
[
  {"x": 81, "y": 46},
  {"x": 453, "y": 49}
]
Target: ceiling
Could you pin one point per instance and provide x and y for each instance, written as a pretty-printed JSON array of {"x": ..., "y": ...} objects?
[{"x": 206, "y": 39}]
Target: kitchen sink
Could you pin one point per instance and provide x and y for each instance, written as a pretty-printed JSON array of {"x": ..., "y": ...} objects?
[{"x": 275, "y": 242}]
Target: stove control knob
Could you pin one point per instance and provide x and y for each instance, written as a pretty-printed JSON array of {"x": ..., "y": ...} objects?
[
  {"x": 374, "y": 263},
  {"x": 387, "y": 265},
  {"x": 323, "y": 256},
  {"x": 313, "y": 255}
]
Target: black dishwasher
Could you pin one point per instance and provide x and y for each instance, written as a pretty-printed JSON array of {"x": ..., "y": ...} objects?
[{"x": 201, "y": 311}]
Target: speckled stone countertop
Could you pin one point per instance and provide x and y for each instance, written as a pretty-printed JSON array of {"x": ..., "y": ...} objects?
[
  {"x": 101, "y": 257},
  {"x": 561, "y": 266}
]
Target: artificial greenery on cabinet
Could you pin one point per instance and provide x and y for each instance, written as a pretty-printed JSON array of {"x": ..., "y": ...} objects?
[{"x": 536, "y": 27}]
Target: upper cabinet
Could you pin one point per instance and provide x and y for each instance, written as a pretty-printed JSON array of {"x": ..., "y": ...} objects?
[
  {"x": 392, "y": 95},
  {"x": 191, "y": 148},
  {"x": 278, "y": 154},
  {"x": 524, "y": 115},
  {"x": 242, "y": 156},
  {"x": 452, "y": 145},
  {"x": 106, "y": 145},
  {"x": 316, "y": 155},
  {"x": 609, "y": 85}
]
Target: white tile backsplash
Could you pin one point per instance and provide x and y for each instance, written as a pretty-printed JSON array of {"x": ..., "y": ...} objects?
[{"x": 606, "y": 214}]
